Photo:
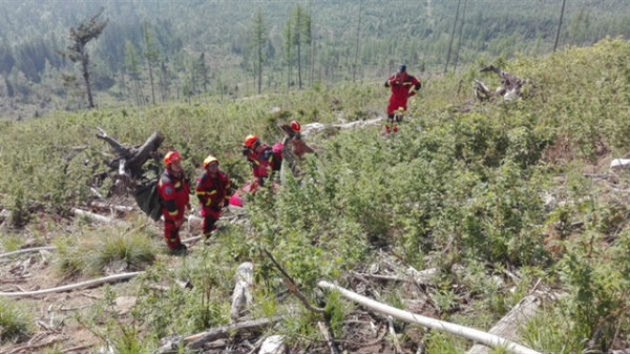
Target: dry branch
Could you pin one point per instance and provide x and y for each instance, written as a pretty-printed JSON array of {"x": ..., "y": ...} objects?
[
  {"x": 488, "y": 339},
  {"x": 27, "y": 250},
  {"x": 199, "y": 339},
  {"x": 292, "y": 286},
  {"x": 328, "y": 336},
  {"x": 81, "y": 285}
]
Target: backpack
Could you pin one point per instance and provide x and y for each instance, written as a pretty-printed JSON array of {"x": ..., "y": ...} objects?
[
  {"x": 148, "y": 198},
  {"x": 276, "y": 163}
]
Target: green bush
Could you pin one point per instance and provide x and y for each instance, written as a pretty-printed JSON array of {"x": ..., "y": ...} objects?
[{"x": 15, "y": 322}]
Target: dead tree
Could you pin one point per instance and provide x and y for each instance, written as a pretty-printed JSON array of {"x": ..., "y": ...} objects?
[
  {"x": 77, "y": 51},
  {"x": 130, "y": 160},
  {"x": 510, "y": 88},
  {"x": 131, "y": 175}
]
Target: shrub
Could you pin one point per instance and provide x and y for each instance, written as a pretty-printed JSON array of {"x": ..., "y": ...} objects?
[{"x": 15, "y": 322}]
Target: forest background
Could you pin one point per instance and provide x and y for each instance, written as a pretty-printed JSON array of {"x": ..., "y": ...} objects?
[{"x": 157, "y": 51}]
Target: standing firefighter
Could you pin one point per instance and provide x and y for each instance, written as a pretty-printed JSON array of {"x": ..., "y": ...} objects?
[
  {"x": 293, "y": 147},
  {"x": 212, "y": 192},
  {"x": 260, "y": 156},
  {"x": 403, "y": 86},
  {"x": 174, "y": 191},
  {"x": 299, "y": 147}
]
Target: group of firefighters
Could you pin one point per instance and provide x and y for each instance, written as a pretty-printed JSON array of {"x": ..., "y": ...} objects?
[{"x": 213, "y": 187}]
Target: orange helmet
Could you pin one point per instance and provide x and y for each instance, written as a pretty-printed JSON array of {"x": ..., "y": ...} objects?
[
  {"x": 251, "y": 141},
  {"x": 171, "y": 157},
  {"x": 295, "y": 125},
  {"x": 210, "y": 160}
]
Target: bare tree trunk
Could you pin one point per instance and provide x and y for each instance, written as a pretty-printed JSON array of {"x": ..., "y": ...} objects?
[
  {"x": 86, "y": 77},
  {"x": 459, "y": 40},
  {"x": 450, "y": 43},
  {"x": 356, "y": 48},
  {"x": 151, "y": 82},
  {"x": 555, "y": 44}
]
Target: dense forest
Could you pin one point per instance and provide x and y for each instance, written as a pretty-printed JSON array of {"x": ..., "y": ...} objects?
[{"x": 156, "y": 51}]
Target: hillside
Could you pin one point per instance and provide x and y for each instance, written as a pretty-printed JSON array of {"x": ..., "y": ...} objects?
[
  {"x": 157, "y": 51},
  {"x": 502, "y": 201}
]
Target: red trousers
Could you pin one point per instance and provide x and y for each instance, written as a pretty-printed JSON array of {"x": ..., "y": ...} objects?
[
  {"x": 171, "y": 235},
  {"x": 210, "y": 217}
]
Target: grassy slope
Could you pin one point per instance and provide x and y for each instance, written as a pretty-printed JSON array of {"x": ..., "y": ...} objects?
[{"x": 454, "y": 187}]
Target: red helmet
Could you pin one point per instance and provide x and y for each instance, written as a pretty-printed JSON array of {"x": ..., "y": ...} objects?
[
  {"x": 295, "y": 125},
  {"x": 250, "y": 141},
  {"x": 172, "y": 157}
]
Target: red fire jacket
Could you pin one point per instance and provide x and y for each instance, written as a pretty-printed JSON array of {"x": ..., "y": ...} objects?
[
  {"x": 401, "y": 84},
  {"x": 261, "y": 159},
  {"x": 174, "y": 192},
  {"x": 213, "y": 192}
]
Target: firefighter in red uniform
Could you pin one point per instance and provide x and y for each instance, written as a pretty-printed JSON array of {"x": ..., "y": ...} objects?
[
  {"x": 403, "y": 86},
  {"x": 299, "y": 147},
  {"x": 174, "y": 191},
  {"x": 212, "y": 192},
  {"x": 260, "y": 156}
]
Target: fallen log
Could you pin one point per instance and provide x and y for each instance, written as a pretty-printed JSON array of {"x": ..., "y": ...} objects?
[
  {"x": 95, "y": 217},
  {"x": 508, "y": 326},
  {"x": 199, "y": 339},
  {"x": 476, "y": 335},
  {"x": 81, "y": 285}
]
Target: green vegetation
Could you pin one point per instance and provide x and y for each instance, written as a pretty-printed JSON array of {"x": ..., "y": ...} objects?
[
  {"x": 462, "y": 184},
  {"x": 15, "y": 322},
  {"x": 94, "y": 250}
]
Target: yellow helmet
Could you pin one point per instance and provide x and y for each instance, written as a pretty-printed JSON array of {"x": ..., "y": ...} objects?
[{"x": 209, "y": 161}]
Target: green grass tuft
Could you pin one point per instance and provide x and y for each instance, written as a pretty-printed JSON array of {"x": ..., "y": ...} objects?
[{"x": 15, "y": 322}]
